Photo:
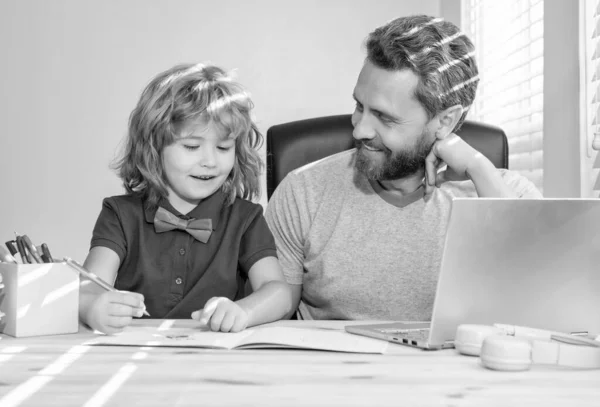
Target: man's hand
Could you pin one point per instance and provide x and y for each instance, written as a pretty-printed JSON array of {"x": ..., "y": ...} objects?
[
  {"x": 459, "y": 156},
  {"x": 222, "y": 314},
  {"x": 112, "y": 311}
]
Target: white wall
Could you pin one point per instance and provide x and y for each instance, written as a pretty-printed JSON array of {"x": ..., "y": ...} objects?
[
  {"x": 72, "y": 71},
  {"x": 451, "y": 11}
]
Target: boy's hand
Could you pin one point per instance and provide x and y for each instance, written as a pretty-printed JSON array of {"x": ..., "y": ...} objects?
[
  {"x": 222, "y": 314},
  {"x": 113, "y": 311}
]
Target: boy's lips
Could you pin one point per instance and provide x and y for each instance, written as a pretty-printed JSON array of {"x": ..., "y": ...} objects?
[{"x": 203, "y": 177}]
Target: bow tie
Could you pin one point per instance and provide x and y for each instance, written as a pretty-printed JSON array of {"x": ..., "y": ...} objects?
[{"x": 199, "y": 228}]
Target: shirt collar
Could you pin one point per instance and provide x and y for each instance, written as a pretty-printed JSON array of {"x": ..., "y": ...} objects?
[
  {"x": 397, "y": 200},
  {"x": 208, "y": 208}
]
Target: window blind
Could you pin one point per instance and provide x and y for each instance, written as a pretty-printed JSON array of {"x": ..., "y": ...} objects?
[
  {"x": 591, "y": 78},
  {"x": 508, "y": 39}
]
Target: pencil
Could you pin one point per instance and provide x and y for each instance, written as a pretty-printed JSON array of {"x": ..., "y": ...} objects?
[
  {"x": 92, "y": 277},
  {"x": 31, "y": 247},
  {"x": 25, "y": 258}
]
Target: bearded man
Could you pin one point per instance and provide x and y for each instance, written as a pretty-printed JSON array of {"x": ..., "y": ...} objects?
[{"x": 360, "y": 234}]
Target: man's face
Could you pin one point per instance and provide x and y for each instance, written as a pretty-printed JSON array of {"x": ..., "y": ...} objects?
[{"x": 390, "y": 125}]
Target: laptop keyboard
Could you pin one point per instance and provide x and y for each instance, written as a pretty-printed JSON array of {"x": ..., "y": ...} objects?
[{"x": 421, "y": 334}]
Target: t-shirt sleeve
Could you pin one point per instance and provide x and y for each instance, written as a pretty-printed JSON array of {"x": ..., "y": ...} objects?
[
  {"x": 256, "y": 242},
  {"x": 287, "y": 217},
  {"x": 108, "y": 231},
  {"x": 522, "y": 186}
]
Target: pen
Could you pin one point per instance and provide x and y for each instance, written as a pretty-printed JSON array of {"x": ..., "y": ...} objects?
[
  {"x": 5, "y": 256},
  {"x": 46, "y": 253},
  {"x": 30, "y": 246},
  {"x": 39, "y": 250},
  {"x": 92, "y": 277},
  {"x": 22, "y": 250}
]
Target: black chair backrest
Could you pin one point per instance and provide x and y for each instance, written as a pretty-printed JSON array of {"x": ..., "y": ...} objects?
[{"x": 294, "y": 144}]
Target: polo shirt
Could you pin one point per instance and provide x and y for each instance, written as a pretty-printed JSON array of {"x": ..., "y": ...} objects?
[{"x": 176, "y": 273}]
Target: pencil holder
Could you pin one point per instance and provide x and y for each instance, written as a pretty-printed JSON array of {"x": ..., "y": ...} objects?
[{"x": 39, "y": 299}]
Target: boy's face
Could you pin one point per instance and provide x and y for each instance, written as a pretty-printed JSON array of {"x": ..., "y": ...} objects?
[{"x": 197, "y": 164}]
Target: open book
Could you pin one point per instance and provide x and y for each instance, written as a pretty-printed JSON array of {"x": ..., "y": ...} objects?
[{"x": 314, "y": 338}]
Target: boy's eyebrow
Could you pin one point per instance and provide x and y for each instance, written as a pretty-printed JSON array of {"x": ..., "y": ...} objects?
[
  {"x": 379, "y": 111},
  {"x": 191, "y": 136},
  {"x": 194, "y": 137}
]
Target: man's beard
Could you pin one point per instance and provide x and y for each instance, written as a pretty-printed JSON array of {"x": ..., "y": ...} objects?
[{"x": 395, "y": 165}]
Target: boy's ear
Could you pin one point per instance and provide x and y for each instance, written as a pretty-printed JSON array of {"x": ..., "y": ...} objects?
[{"x": 447, "y": 120}]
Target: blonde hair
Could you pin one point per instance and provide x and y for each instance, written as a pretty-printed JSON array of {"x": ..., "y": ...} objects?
[{"x": 178, "y": 96}]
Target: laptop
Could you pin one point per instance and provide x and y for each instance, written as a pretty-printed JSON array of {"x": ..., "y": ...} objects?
[{"x": 528, "y": 262}]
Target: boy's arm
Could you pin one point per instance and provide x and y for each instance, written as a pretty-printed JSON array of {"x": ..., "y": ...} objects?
[
  {"x": 104, "y": 263},
  {"x": 107, "y": 311},
  {"x": 272, "y": 297},
  {"x": 103, "y": 310}
]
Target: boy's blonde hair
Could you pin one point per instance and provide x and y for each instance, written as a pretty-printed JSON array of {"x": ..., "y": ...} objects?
[{"x": 177, "y": 96}]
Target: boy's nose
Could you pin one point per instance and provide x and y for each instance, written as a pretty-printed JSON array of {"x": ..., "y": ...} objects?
[{"x": 207, "y": 157}]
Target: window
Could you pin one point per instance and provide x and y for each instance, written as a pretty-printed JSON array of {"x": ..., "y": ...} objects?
[
  {"x": 508, "y": 38},
  {"x": 590, "y": 109}
]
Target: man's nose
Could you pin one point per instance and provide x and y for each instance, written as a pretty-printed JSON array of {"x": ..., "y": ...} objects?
[{"x": 363, "y": 130}]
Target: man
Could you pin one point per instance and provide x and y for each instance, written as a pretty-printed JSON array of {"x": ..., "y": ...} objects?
[{"x": 360, "y": 234}]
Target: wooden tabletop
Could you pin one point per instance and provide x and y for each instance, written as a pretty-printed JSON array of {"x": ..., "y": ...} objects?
[{"x": 61, "y": 371}]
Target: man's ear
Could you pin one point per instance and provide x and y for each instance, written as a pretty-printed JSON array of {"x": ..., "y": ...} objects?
[{"x": 447, "y": 120}]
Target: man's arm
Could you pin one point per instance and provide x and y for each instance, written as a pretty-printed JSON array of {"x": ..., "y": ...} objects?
[
  {"x": 467, "y": 163},
  {"x": 487, "y": 179},
  {"x": 289, "y": 222}
]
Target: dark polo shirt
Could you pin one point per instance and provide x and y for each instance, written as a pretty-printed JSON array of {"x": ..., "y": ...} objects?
[{"x": 176, "y": 273}]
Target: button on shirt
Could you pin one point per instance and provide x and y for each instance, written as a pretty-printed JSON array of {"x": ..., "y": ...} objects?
[{"x": 176, "y": 273}]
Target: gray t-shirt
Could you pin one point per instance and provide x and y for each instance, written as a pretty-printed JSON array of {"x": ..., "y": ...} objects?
[{"x": 358, "y": 251}]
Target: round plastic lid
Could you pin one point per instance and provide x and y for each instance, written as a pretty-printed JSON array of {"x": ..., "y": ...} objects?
[{"x": 500, "y": 352}]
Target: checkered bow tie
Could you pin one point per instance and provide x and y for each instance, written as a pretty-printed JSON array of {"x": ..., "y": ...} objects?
[{"x": 199, "y": 228}]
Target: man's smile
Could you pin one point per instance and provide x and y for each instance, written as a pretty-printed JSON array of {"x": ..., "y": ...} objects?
[{"x": 369, "y": 148}]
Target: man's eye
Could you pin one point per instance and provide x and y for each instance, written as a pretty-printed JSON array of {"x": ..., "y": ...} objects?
[
  {"x": 384, "y": 119},
  {"x": 358, "y": 107}
]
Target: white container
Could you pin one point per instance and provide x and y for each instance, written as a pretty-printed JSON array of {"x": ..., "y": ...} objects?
[{"x": 39, "y": 299}]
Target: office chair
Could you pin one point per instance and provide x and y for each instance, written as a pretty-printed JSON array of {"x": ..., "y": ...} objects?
[{"x": 294, "y": 144}]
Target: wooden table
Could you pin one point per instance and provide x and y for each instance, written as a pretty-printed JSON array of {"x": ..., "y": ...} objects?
[{"x": 60, "y": 371}]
